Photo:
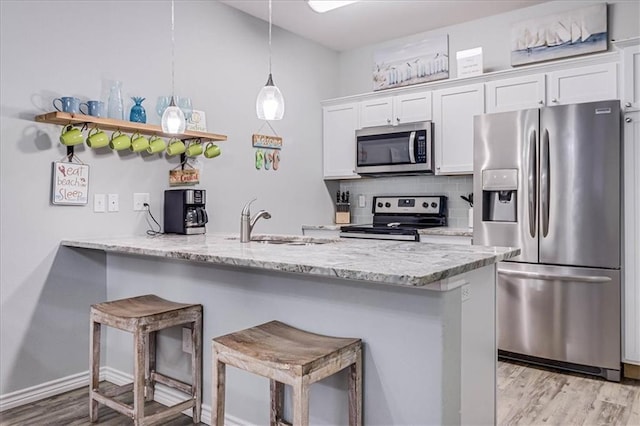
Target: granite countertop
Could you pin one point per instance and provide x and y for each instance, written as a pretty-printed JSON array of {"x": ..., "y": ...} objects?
[
  {"x": 390, "y": 262},
  {"x": 441, "y": 230}
]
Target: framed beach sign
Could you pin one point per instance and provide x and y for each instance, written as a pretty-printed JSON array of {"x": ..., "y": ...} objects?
[
  {"x": 413, "y": 63},
  {"x": 557, "y": 36}
]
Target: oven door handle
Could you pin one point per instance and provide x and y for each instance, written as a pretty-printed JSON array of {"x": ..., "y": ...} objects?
[{"x": 412, "y": 147}]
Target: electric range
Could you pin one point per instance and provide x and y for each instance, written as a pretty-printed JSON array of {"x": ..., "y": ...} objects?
[{"x": 400, "y": 218}]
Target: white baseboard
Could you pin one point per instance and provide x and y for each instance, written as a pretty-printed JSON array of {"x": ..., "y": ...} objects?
[
  {"x": 163, "y": 394},
  {"x": 44, "y": 390}
]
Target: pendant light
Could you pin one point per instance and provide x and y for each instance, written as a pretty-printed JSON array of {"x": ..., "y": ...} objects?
[
  {"x": 270, "y": 103},
  {"x": 173, "y": 121}
]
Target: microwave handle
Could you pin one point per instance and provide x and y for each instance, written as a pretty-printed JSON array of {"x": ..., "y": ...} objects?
[{"x": 412, "y": 147}]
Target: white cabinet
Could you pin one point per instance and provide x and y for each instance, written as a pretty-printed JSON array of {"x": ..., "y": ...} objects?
[
  {"x": 512, "y": 94},
  {"x": 412, "y": 107},
  {"x": 631, "y": 353},
  {"x": 376, "y": 111},
  {"x": 394, "y": 110},
  {"x": 575, "y": 85},
  {"x": 584, "y": 84},
  {"x": 631, "y": 77},
  {"x": 453, "y": 111},
  {"x": 339, "y": 124}
]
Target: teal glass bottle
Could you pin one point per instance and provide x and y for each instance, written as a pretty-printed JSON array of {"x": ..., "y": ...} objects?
[{"x": 138, "y": 114}]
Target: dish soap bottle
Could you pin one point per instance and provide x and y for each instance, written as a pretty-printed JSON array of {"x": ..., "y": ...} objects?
[
  {"x": 138, "y": 114},
  {"x": 116, "y": 108}
]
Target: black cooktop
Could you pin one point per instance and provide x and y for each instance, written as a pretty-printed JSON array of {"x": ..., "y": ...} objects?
[{"x": 399, "y": 218}]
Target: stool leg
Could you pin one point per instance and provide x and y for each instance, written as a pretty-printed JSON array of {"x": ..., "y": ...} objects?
[
  {"x": 355, "y": 391},
  {"x": 196, "y": 368},
  {"x": 301, "y": 402},
  {"x": 277, "y": 400},
  {"x": 217, "y": 391},
  {"x": 94, "y": 366},
  {"x": 150, "y": 384},
  {"x": 138, "y": 376}
]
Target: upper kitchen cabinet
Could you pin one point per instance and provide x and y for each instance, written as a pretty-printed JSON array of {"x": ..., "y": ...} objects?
[
  {"x": 584, "y": 84},
  {"x": 512, "y": 94},
  {"x": 631, "y": 77},
  {"x": 339, "y": 124},
  {"x": 453, "y": 111},
  {"x": 394, "y": 110}
]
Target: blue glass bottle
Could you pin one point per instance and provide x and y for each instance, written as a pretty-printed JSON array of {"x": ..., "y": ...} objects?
[{"x": 138, "y": 114}]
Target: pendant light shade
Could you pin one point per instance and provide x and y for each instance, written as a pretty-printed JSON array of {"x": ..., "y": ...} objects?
[
  {"x": 270, "y": 102},
  {"x": 173, "y": 120}
]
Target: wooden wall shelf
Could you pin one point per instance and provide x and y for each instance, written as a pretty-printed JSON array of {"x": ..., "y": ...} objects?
[{"x": 64, "y": 118}]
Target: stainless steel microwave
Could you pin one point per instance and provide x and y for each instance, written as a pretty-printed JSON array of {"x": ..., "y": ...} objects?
[{"x": 406, "y": 149}]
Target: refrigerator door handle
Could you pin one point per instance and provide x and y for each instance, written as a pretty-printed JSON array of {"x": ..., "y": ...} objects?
[
  {"x": 556, "y": 277},
  {"x": 544, "y": 183},
  {"x": 532, "y": 189}
]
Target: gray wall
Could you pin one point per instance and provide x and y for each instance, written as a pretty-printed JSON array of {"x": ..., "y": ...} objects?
[
  {"x": 67, "y": 48},
  {"x": 493, "y": 35}
]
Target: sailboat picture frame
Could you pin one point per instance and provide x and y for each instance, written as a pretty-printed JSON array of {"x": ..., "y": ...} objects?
[{"x": 578, "y": 32}]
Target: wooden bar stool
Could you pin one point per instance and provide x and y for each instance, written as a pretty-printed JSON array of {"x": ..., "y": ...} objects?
[
  {"x": 144, "y": 316},
  {"x": 287, "y": 355}
]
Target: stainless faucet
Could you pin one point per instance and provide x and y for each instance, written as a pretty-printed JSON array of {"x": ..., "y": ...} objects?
[{"x": 247, "y": 222}]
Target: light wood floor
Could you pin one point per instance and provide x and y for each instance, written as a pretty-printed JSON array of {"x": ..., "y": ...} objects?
[{"x": 527, "y": 395}]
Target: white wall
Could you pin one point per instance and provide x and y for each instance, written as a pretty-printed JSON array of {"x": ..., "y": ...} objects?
[
  {"x": 54, "y": 48},
  {"x": 492, "y": 34}
]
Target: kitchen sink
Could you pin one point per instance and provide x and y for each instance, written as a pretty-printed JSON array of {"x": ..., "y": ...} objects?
[{"x": 288, "y": 240}]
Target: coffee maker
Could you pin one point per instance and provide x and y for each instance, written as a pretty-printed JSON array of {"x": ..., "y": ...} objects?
[{"x": 184, "y": 211}]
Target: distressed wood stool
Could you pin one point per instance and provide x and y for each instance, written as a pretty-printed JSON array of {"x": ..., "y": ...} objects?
[
  {"x": 290, "y": 356},
  {"x": 144, "y": 316}
]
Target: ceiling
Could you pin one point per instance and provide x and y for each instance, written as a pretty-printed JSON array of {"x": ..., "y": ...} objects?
[{"x": 373, "y": 21}]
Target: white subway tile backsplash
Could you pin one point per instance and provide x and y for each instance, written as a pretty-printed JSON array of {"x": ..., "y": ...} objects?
[{"x": 451, "y": 186}]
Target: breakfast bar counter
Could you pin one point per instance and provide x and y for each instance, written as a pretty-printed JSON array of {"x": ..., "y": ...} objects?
[
  {"x": 388, "y": 262},
  {"x": 425, "y": 313}
]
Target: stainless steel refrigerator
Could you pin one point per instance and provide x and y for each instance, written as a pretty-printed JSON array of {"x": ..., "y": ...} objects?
[{"x": 547, "y": 180}]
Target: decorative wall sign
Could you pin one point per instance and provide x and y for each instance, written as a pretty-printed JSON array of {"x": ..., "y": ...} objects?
[
  {"x": 266, "y": 141},
  {"x": 179, "y": 177},
  {"x": 557, "y": 36},
  {"x": 267, "y": 152},
  {"x": 197, "y": 122},
  {"x": 414, "y": 63},
  {"x": 469, "y": 62},
  {"x": 70, "y": 183}
]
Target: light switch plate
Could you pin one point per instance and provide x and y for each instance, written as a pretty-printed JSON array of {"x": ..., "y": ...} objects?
[
  {"x": 114, "y": 203},
  {"x": 99, "y": 203}
]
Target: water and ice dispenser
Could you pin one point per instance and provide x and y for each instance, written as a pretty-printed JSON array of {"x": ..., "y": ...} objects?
[{"x": 499, "y": 195}]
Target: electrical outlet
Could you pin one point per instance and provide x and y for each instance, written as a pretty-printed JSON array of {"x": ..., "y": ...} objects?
[
  {"x": 362, "y": 201},
  {"x": 99, "y": 203},
  {"x": 466, "y": 292},
  {"x": 114, "y": 203},
  {"x": 139, "y": 198},
  {"x": 187, "y": 342}
]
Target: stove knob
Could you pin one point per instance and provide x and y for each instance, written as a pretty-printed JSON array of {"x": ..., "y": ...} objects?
[
  {"x": 434, "y": 204},
  {"x": 387, "y": 205},
  {"x": 379, "y": 204},
  {"x": 425, "y": 205}
]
